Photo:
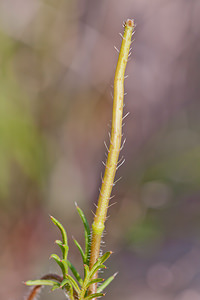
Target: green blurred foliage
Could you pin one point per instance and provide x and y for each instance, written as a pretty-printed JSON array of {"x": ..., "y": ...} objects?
[{"x": 21, "y": 142}]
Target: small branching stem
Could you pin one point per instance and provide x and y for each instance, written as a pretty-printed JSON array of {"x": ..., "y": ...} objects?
[{"x": 114, "y": 149}]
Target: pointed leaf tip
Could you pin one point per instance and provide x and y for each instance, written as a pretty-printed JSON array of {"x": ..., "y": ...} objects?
[
  {"x": 114, "y": 275},
  {"x": 86, "y": 232},
  {"x": 64, "y": 237},
  {"x": 55, "y": 256},
  {"x": 106, "y": 283}
]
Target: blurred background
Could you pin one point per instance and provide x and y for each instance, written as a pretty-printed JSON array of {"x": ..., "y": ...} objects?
[{"x": 57, "y": 63}]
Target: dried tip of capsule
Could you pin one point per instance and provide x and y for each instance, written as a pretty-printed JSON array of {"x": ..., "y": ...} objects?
[{"x": 130, "y": 23}]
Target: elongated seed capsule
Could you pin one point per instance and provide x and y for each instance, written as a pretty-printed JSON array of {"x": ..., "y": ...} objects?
[{"x": 114, "y": 149}]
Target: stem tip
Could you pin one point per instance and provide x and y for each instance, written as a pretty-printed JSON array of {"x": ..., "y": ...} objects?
[{"x": 130, "y": 22}]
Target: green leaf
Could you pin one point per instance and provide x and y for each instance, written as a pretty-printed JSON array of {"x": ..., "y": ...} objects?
[
  {"x": 106, "y": 283},
  {"x": 40, "y": 282},
  {"x": 99, "y": 264},
  {"x": 64, "y": 282},
  {"x": 73, "y": 283},
  {"x": 86, "y": 280},
  {"x": 81, "y": 250},
  {"x": 87, "y": 233},
  {"x": 104, "y": 257},
  {"x": 62, "y": 264},
  {"x": 94, "y": 281},
  {"x": 94, "y": 296},
  {"x": 55, "y": 286},
  {"x": 65, "y": 264},
  {"x": 87, "y": 271},
  {"x": 94, "y": 270},
  {"x": 71, "y": 292},
  {"x": 64, "y": 236},
  {"x": 75, "y": 273},
  {"x": 64, "y": 248}
]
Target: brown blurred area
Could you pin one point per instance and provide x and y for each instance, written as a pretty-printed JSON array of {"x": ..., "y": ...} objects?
[{"x": 57, "y": 64}]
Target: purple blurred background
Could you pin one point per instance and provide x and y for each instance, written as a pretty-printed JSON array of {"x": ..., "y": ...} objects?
[{"x": 57, "y": 63}]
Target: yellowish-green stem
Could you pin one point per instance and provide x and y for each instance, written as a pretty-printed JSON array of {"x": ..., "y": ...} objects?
[{"x": 114, "y": 148}]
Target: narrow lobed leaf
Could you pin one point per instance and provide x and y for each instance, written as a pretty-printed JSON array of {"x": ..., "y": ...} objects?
[
  {"x": 87, "y": 233},
  {"x": 65, "y": 264},
  {"x": 87, "y": 270},
  {"x": 94, "y": 281},
  {"x": 64, "y": 282},
  {"x": 62, "y": 263},
  {"x": 64, "y": 248},
  {"x": 106, "y": 283},
  {"x": 71, "y": 292},
  {"x": 100, "y": 261},
  {"x": 81, "y": 251},
  {"x": 40, "y": 282},
  {"x": 85, "y": 282},
  {"x": 73, "y": 283},
  {"x": 64, "y": 235},
  {"x": 75, "y": 273},
  {"x": 104, "y": 257},
  {"x": 95, "y": 269},
  {"x": 67, "y": 285}
]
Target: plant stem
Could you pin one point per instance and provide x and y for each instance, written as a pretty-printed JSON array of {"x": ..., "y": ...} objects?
[{"x": 114, "y": 149}]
